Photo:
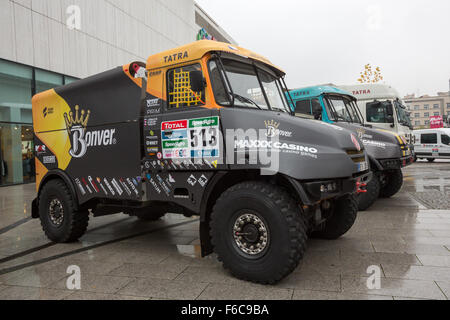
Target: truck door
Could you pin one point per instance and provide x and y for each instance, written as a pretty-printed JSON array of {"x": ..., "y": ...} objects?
[{"x": 188, "y": 139}]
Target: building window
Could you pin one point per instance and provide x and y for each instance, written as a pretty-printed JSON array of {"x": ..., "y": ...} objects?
[
  {"x": 16, "y": 130},
  {"x": 426, "y": 114},
  {"x": 47, "y": 80},
  {"x": 435, "y": 106},
  {"x": 448, "y": 105},
  {"x": 426, "y": 107},
  {"x": 427, "y": 122},
  {"x": 416, "y": 115},
  {"x": 437, "y": 113},
  {"x": 416, "y": 107},
  {"x": 417, "y": 123}
]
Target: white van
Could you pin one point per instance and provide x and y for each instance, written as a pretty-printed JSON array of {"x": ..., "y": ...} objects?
[
  {"x": 432, "y": 144},
  {"x": 382, "y": 107}
]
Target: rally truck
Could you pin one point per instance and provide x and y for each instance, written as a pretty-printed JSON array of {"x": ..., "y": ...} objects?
[
  {"x": 388, "y": 152},
  {"x": 190, "y": 132}
]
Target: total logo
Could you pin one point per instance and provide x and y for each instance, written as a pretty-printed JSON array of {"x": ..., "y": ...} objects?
[{"x": 81, "y": 139}]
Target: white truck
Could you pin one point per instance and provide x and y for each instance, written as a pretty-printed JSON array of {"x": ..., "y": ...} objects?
[{"x": 382, "y": 107}]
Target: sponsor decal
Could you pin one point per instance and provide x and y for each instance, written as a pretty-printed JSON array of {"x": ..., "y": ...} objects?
[
  {"x": 163, "y": 184},
  {"x": 361, "y": 92},
  {"x": 171, "y": 179},
  {"x": 280, "y": 146},
  {"x": 47, "y": 111},
  {"x": 174, "y": 125},
  {"x": 176, "y": 57},
  {"x": 99, "y": 181},
  {"x": 91, "y": 181},
  {"x": 153, "y": 103},
  {"x": 300, "y": 93},
  {"x": 108, "y": 185},
  {"x": 355, "y": 142},
  {"x": 362, "y": 134},
  {"x": 374, "y": 143},
  {"x": 203, "y": 181},
  {"x": 133, "y": 187},
  {"x": 49, "y": 160},
  {"x": 80, "y": 186},
  {"x": 273, "y": 130},
  {"x": 124, "y": 185},
  {"x": 86, "y": 185},
  {"x": 40, "y": 149},
  {"x": 81, "y": 139},
  {"x": 151, "y": 143},
  {"x": 178, "y": 134},
  {"x": 117, "y": 186},
  {"x": 193, "y": 138},
  {"x": 192, "y": 180},
  {"x": 159, "y": 155},
  {"x": 150, "y": 122},
  {"x": 154, "y": 184}
]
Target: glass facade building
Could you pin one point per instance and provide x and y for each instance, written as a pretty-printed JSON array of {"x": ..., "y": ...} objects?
[{"x": 18, "y": 83}]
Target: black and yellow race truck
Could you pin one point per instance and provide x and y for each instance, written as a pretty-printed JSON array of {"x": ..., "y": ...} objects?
[{"x": 201, "y": 130}]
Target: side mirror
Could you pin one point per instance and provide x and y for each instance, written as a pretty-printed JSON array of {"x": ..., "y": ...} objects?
[
  {"x": 197, "y": 81},
  {"x": 389, "y": 109}
]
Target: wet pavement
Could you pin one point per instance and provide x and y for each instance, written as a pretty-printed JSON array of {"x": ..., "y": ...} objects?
[{"x": 407, "y": 236}]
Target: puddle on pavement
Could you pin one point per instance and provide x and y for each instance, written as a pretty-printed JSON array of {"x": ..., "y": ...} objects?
[{"x": 190, "y": 250}]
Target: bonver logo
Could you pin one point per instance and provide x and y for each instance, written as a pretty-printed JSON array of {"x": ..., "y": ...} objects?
[{"x": 82, "y": 139}]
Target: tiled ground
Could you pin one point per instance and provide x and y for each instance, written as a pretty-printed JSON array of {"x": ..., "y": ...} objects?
[{"x": 408, "y": 239}]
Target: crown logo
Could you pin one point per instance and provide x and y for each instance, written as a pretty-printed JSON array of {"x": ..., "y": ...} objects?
[
  {"x": 81, "y": 120},
  {"x": 272, "y": 124}
]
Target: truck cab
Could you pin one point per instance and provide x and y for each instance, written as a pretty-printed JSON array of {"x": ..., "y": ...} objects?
[
  {"x": 382, "y": 107},
  {"x": 200, "y": 130}
]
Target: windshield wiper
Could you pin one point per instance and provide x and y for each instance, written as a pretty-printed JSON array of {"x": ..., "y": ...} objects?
[{"x": 246, "y": 100}]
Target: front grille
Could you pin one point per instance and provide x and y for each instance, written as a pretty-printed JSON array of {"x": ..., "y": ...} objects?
[{"x": 356, "y": 156}]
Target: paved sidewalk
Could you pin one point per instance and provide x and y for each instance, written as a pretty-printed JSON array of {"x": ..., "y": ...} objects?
[{"x": 408, "y": 236}]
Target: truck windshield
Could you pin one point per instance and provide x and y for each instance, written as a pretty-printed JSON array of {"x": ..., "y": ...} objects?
[
  {"x": 251, "y": 87},
  {"x": 402, "y": 114},
  {"x": 341, "y": 108}
]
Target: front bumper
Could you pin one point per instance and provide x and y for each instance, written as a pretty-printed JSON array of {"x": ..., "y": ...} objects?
[
  {"x": 322, "y": 190},
  {"x": 393, "y": 164}
]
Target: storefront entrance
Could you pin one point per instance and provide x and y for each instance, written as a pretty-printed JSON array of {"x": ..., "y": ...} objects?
[{"x": 16, "y": 154}]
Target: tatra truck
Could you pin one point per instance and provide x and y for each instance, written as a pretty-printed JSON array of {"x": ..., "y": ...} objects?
[
  {"x": 382, "y": 107},
  {"x": 200, "y": 130},
  {"x": 388, "y": 152}
]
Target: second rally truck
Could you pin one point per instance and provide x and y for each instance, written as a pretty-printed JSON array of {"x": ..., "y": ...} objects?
[{"x": 205, "y": 130}]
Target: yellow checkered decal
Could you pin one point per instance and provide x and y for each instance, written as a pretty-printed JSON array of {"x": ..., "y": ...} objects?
[{"x": 182, "y": 95}]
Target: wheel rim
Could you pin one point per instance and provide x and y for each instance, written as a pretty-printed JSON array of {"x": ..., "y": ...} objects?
[
  {"x": 251, "y": 235},
  {"x": 56, "y": 212}
]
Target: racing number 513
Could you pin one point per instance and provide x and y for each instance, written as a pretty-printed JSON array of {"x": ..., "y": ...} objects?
[{"x": 208, "y": 137}]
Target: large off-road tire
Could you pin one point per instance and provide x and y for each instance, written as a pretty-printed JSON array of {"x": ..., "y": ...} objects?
[
  {"x": 257, "y": 213},
  {"x": 393, "y": 181},
  {"x": 59, "y": 219},
  {"x": 430, "y": 159},
  {"x": 342, "y": 217},
  {"x": 367, "y": 199}
]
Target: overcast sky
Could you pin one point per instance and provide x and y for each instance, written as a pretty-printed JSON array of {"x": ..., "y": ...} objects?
[{"x": 323, "y": 41}]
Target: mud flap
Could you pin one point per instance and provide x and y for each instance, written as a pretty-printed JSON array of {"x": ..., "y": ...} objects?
[{"x": 34, "y": 209}]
